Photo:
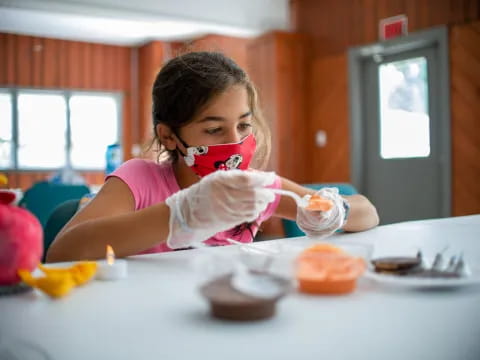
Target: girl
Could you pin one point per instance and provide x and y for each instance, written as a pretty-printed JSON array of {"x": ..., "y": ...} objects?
[{"x": 206, "y": 120}]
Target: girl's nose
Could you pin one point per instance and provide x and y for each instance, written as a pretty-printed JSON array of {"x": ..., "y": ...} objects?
[{"x": 233, "y": 136}]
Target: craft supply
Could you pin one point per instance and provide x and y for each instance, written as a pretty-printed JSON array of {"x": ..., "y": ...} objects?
[
  {"x": 438, "y": 261},
  {"x": 452, "y": 263},
  {"x": 266, "y": 256},
  {"x": 254, "y": 283},
  {"x": 396, "y": 264},
  {"x": 111, "y": 268},
  {"x": 327, "y": 269},
  {"x": 58, "y": 282},
  {"x": 461, "y": 268},
  {"x": 228, "y": 303},
  {"x": 311, "y": 202},
  {"x": 414, "y": 266},
  {"x": 21, "y": 239}
]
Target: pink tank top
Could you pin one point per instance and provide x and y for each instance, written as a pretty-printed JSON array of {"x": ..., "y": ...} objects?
[{"x": 151, "y": 183}]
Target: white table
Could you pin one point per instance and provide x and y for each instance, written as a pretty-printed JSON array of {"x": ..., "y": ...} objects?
[{"x": 157, "y": 313}]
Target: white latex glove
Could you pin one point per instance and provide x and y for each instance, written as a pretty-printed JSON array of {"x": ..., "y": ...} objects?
[
  {"x": 322, "y": 223},
  {"x": 218, "y": 202}
]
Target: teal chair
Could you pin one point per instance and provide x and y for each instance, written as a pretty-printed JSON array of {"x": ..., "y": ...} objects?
[
  {"x": 57, "y": 220},
  {"x": 43, "y": 197},
  {"x": 291, "y": 228}
]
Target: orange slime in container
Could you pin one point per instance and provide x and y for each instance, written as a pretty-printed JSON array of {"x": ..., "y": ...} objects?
[
  {"x": 318, "y": 203},
  {"x": 327, "y": 269}
]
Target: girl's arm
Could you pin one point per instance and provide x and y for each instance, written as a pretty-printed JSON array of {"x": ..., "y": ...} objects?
[
  {"x": 362, "y": 215},
  {"x": 109, "y": 218}
]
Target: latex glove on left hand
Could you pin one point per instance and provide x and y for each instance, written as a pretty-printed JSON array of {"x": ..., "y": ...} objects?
[{"x": 322, "y": 223}]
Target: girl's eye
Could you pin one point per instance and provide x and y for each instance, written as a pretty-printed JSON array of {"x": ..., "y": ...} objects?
[
  {"x": 213, "y": 130},
  {"x": 244, "y": 126}
]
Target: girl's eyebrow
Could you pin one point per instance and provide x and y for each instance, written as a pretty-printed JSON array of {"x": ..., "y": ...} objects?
[
  {"x": 219, "y": 118},
  {"x": 245, "y": 115}
]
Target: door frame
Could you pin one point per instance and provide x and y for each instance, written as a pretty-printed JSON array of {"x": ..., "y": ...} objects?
[{"x": 437, "y": 37}]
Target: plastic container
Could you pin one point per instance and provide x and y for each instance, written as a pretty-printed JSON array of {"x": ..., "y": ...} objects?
[
  {"x": 114, "y": 158},
  {"x": 331, "y": 269},
  {"x": 239, "y": 286}
]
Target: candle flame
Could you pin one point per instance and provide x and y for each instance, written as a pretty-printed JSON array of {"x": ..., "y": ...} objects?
[{"x": 110, "y": 255}]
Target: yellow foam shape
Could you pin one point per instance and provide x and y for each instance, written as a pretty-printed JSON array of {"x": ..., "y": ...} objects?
[
  {"x": 81, "y": 272},
  {"x": 3, "y": 179},
  {"x": 58, "y": 282}
]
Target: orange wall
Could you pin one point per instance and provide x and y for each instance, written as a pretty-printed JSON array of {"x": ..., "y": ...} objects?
[
  {"x": 27, "y": 61},
  {"x": 335, "y": 25},
  {"x": 465, "y": 107},
  {"x": 233, "y": 47},
  {"x": 277, "y": 62},
  {"x": 150, "y": 60}
]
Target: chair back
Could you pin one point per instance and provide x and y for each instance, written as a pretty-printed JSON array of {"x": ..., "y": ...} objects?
[
  {"x": 43, "y": 197},
  {"x": 57, "y": 220}
]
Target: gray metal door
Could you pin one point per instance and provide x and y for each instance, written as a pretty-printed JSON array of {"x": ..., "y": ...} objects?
[{"x": 404, "y": 167}]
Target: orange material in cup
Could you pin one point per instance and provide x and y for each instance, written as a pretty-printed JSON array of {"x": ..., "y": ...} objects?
[
  {"x": 327, "y": 269},
  {"x": 318, "y": 203}
]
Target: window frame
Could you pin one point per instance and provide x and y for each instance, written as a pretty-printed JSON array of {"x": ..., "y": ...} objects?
[{"x": 66, "y": 94}]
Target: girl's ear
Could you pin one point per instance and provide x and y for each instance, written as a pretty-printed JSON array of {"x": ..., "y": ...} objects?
[{"x": 166, "y": 137}]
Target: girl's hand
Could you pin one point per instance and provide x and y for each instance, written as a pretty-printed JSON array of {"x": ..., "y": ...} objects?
[
  {"x": 218, "y": 202},
  {"x": 323, "y": 223}
]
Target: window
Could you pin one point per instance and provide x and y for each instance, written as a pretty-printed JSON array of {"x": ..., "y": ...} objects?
[
  {"x": 6, "y": 130},
  {"x": 404, "y": 115},
  {"x": 42, "y": 129}
]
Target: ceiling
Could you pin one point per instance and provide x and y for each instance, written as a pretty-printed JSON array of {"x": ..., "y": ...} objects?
[{"x": 134, "y": 22}]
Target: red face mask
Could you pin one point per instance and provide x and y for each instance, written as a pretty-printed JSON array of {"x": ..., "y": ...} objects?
[{"x": 204, "y": 160}]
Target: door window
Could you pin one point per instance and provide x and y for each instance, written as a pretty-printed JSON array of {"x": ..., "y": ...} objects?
[{"x": 404, "y": 115}]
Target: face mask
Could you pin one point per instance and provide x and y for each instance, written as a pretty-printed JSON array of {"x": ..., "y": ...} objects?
[{"x": 204, "y": 160}]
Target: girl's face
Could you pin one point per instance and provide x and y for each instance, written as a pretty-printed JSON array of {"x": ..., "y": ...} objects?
[{"x": 226, "y": 119}]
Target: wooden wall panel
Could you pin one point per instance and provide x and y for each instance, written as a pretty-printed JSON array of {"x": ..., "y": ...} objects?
[
  {"x": 125, "y": 80},
  {"x": 338, "y": 24},
  {"x": 11, "y": 61},
  {"x": 278, "y": 63},
  {"x": 150, "y": 60},
  {"x": 329, "y": 113},
  {"x": 23, "y": 58},
  {"x": 50, "y": 68},
  {"x": 233, "y": 47},
  {"x": 292, "y": 56},
  {"x": 86, "y": 80},
  {"x": 3, "y": 58},
  {"x": 74, "y": 65},
  {"x": 35, "y": 62},
  {"x": 261, "y": 62},
  {"x": 63, "y": 68},
  {"x": 465, "y": 95}
]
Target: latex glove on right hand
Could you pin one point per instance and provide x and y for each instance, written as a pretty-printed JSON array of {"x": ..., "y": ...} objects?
[
  {"x": 218, "y": 202},
  {"x": 322, "y": 223}
]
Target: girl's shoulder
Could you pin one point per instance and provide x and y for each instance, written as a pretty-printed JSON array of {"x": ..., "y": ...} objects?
[
  {"x": 145, "y": 165},
  {"x": 149, "y": 181}
]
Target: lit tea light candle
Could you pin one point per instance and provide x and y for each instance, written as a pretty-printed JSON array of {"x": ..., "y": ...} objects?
[{"x": 111, "y": 268}]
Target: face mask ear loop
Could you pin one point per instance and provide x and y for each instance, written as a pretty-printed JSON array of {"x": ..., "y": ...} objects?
[{"x": 181, "y": 140}]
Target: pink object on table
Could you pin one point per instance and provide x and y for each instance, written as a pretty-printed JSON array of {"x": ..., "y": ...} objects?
[{"x": 21, "y": 240}]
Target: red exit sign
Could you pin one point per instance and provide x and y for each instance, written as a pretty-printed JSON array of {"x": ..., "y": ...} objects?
[{"x": 393, "y": 27}]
